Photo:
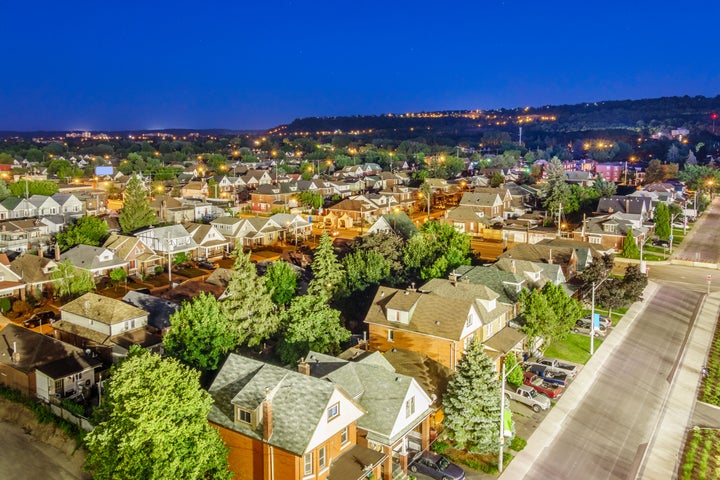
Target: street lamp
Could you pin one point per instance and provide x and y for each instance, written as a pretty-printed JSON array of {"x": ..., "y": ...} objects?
[
  {"x": 595, "y": 285},
  {"x": 503, "y": 376}
]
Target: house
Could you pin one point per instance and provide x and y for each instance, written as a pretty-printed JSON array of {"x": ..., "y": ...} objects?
[
  {"x": 23, "y": 235},
  {"x": 39, "y": 365},
  {"x": 467, "y": 219},
  {"x": 489, "y": 203},
  {"x": 626, "y": 204},
  {"x": 506, "y": 284},
  {"x": 171, "y": 210},
  {"x": 283, "y": 424},
  {"x": 440, "y": 319},
  {"x": 140, "y": 258},
  {"x": 55, "y": 223},
  {"x": 612, "y": 171},
  {"x": 544, "y": 254},
  {"x": 173, "y": 239},
  {"x": 98, "y": 261},
  {"x": 211, "y": 243},
  {"x": 397, "y": 222},
  {"x": 35, "y": 272},
  {"x": 69, "y": 203},
  {"x": 608, "y": 232},
  {"x": 280, "y": 196},
  {"x": 11, "y": 284},
  {"x": 44, "y": 205},
  {"x": 158, "y": 310},
  {"x": 398, "y": 409},
  {"x": 18, "y": 207},
  {"x": 295, "y": 226},
  {"x": 194, "y": 189},
  {"x": 104, "y": 325}
]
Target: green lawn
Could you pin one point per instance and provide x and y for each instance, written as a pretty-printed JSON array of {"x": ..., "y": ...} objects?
[
  {"x": 616, "y": 314},
  {"x": 701, "y": 457},
  {"x": 575, "y": 348}
]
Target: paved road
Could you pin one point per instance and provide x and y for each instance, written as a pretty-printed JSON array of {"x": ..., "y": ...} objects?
[
  {"x": 604, "y": 433},
  {"x": 703, "y": 242}
]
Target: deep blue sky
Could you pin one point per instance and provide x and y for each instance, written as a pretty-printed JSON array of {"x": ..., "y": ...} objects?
[{"x": 106, "y": 65}]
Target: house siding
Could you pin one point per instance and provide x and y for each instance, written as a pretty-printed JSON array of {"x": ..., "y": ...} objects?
[{"x": 446, "y": 352}]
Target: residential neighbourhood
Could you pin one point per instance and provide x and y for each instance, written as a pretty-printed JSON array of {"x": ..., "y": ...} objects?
[{"x": 365, "y": 400}]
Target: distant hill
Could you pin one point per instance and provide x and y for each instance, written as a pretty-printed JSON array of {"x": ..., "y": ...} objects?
[
  {"x": 625, "y": 115},
  {"x": 179, "y": 132}
]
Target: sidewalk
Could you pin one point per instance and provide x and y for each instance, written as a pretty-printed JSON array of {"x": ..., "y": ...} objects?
[
  {"x": 550, "y": 427},
  {"x": 665, "y": 446}
]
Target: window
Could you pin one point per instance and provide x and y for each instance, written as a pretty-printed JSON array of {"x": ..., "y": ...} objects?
[
  {"x": 391, "y": 335},
  {"x": 308, "y": 466},
  {"x": 410, "y": 407},
  {"x": 333, "y": 411},
  {"x": 344, "y": 436},
  {"x": 595, "y": 240},
  {"x": 468, "y": 322},
  {"x": 322, "y": 457},
  {"x": 489, "y": 329},
  {"x": 244, "y": 416}
]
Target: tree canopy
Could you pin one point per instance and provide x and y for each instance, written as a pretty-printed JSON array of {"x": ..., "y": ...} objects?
[
  {"x": 200, "y": 335},
  {"x": 35, "y": 187},
  {"x": 248, "y": 304},
  {"x": 281, "y": 282},
  {"x": 70, "y": 282},
  {"x": 152, "y": 424},
  {"x": 662, "y": 221},
  {"x": 85, "y": 231},
  {"x": 472, "y": 403},
  {"x": 328, "y": 273},
  {"x": 136, "y": 212},
  {"x": 436, "y": 250},
  {"x": 556, "y": 191}
]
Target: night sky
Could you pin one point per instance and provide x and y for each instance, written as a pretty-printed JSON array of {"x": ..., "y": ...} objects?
[{"x": 110, "y": 65}]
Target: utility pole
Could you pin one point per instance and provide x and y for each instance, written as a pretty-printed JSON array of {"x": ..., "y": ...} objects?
[{"x": 169, "y": 248}]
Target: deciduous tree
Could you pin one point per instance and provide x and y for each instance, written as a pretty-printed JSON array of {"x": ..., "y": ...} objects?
[
  {"x": 153, "y": 424},
  {"x": 85, "y": 231},
  {"x": 436, "y": 250},
  {"x": 281, "y": 282},
  {"x": 69, "y": 282},
  {"x": 634, "y": 283},
  {"x": 200, "y": 334},
  {"x": 662, "y": 221},
  {"x": 364, "y": 268},
  {"x": 472, "y": 403}
]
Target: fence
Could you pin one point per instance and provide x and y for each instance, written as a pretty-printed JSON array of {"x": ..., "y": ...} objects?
[{"x": 70, "y": 417}]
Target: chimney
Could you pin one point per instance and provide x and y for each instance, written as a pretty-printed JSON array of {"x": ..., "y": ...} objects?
[
  {"x": 303, "y": 367},
  {"x": 550, "y": 259},
  {"x": 627, "y": 205},
  {"x": 57, "y": 252},
  {"x": 267, "y": 415}
]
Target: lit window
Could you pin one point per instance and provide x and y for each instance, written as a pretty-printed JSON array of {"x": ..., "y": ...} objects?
[
  {"x": 333, "y": 411},
  {"x": 391, "y": 335},
  {"x": 344, "y": 436},
  {"x": 307, "y": 461}
]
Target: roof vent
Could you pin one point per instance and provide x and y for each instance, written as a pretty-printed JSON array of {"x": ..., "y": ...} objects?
[{"x": 437, "y": 322}]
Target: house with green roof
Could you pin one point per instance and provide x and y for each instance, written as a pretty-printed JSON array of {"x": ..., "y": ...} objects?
[
  {"x": 285, "y": 425},
  {"x": 398, "y": 410}
]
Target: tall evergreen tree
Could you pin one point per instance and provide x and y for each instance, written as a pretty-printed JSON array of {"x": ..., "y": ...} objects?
[
  {"x": 328, "y": 273},
  {"x": 662, "y": 220},
  {"x": 136, "y": 212},
  {"x": 556, "y": 191},
  {"x": 472, "y": 403},
  {"x": 630, "y": 248},
  {"x": 248, "y": 305},
  {"x": 281, "y": 282}
]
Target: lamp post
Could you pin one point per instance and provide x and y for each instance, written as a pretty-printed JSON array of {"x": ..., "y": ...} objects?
[
  {"x": 592, "y": 316},
  {"x": 502, "y": 411}
]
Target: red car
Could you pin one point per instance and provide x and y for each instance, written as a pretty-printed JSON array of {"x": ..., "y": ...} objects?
[{"x": 541, "y": 386}]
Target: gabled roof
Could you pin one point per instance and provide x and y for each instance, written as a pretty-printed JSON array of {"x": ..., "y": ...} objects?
[
  {"x": 624, "y": 203},
  {"x": 158, "y": 309},
  {"x": 123, "y": 245},
  {"x": 466, "y": 213},
  {"x": 505, "y": 284},
  {"x": 299, "y": 402},
  {"x": 102, "y": 309},
  {"x": 473, "y": 199},
  {"x": 30, "y": 268},
  {"x": 87, "y": 257},
  {"x": 33, "y": 349}
]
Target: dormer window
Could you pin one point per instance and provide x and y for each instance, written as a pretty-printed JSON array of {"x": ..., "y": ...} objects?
[
  {"x": 333, "y": 411},
  {"x": 244, "y": 416}
]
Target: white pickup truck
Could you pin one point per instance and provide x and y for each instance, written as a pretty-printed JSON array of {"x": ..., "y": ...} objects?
[{"x": 529, "y": 397}]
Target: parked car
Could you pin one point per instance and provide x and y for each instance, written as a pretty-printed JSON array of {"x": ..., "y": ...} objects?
[
  {"x": 555, "y": 364},
  {"x": 679, "y": 225},
  {"x": 585, "y": 327},
  {"x": 40, "y": 318},
  {"x": 661, "y": 243},
  {"x": 528, "y": 396},
  {"x": 548, "y": 374},
  {"x": 604, "y": 321},
  {"x": 207, "y": 265},
  {"x": 548, "y": 389},
  {"x": 435, "y": 466}
]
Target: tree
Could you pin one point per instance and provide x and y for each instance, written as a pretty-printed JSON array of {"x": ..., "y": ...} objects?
[
  {"x": 85, "y": 231},
  {"x": 4, "y": 191},
  {"x": 364, "y": 268},
  {"x": 153, "y": 424},
  {"x": 310, "y": 324},
  {"x": 514, "y": 375},
  {"x": 436, "y": 250},
  {"x": 598, "y": 270},
  {"x": 248, "y": 304},
  {"x": 567, "y": 310},
  {"x": 611, "y": 295},
  {"x": 673, "y": 154},
  {"x": 281, "y": 282},
  {"x": 691, "y": 159},
  {"x": 630, "y": 248},
  {"x": 634, "y": 283},
  {"x": 390, "y": 248},
  {"x": 136, "y": 212},
  {"x": 603, "y": 187},
  {"x": 200, "y": 334},
  {"x": 556, "y": 190},
  {"x": 540, "y": 320},
  {"x": 662, "y": 221},
  {"x": 654, "y": 172},
  {"x": 472, "y": 403},
  {"x": 69, "y": 282},
  {"x": 118, "y": 275},
  {"x": 328, "y": 273},
  {"x": 497, "y": 180},
  {"x": 36, "y": 187},
  {"x": 453, "y": 166}
]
